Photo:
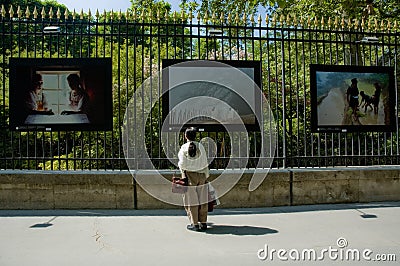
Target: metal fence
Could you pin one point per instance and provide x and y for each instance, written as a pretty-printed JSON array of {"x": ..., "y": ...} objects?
[{"x": 137, "y": 43}]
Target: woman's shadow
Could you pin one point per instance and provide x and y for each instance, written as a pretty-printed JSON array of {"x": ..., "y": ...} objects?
[{"x": 240, "y": 230}]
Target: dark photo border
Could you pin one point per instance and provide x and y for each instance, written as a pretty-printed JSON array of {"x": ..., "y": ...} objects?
[
  {"x": 96, "y": 77},
  {"x": 329, "y": 85}
]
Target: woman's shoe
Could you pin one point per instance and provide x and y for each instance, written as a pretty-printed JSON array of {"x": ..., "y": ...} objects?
[
  {"x": 203, "y": 226},
  {"x": 192, "y": 227}
]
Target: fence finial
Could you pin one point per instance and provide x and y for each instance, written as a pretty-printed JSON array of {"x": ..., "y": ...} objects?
[
  {"x": 316, "y": 22},
  {"x": 43, "y": 13},
  {"x": 58, "y": 13},
  {"x": 259, "y": 20},
  {"x": 166, "y": 15},
  {"x": 229, "y": 18},
  {"x": 81, "y": 17},
  {"x": 213, "y": 18},
  {"x": 191, "y": 16},
  {"x": 356, "y": 24},
  {"x": 11, "y": 12},
  {"x": 288, "y": 20},
  {"x": 395, "y": 25},
  {"x": 266, "y": 20},
  {"x": 97, "y": 15},
  {"x": 120, "y": 15},
  {"x": 237, "y": 18},
  {"x": 382, "y": 25},
  {"x": 183, "y": 15},
  {"x": 222, "y": 18},
  {"x": 205, "y": 17},
  {"x": 362, "y": 23},
  {"x": 3, "y": 11},
  {"x": 329, "y": 23},
  {"x": 389, "y": 25},
  {"x": 89, "y": 14},
  {"x": 51, "y": 12},
  {"x": 19, "y": 12},
  {"x": 343, "y": 23},
  {"x": 282, "y": 20},
  {"x": 27, "y": 12},
  {"x": 158, "y": 15},
  {"x": 35, "y": 13},
  {"x": 66, "y": 14},
  {"x": 174, "y": 16},
  {"x": 127, "y": 14},
  {"x": 376, "y": 23},
  {"x": 274, "y": 20},
  {"x": 73, "y": 15}
]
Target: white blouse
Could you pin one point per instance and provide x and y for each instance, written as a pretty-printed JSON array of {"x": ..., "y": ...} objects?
[{"x": 197, "y": 163}]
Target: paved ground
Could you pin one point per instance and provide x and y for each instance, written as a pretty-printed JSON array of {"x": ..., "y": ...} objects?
[{"x": 349, "y": 234}]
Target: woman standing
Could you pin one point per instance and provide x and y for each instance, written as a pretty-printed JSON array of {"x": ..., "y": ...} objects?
[{"x": 194, "y": 165}]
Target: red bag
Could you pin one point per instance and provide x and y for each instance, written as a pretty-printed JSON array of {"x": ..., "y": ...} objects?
[{"x": 179, "y": 185}]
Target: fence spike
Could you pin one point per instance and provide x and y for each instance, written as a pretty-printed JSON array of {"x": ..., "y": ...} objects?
[
  {"x": 356, "y": 24},
  {"x": 158, "y": 15},
  {"x": 166, "y": 15},
  {"x": 282, "y": 20},
  {"x": 3, "y": 11},
  {"x": 237, "y": 18},
  {"x": 105, "y": 14},
  {"x": 19, "y": 12},
  {"x": 11, "y": 12},
  {"x": 362, "y": 23},
  {"x": 97, "y": 15},
  {"x": 66, "y": 14},
  {"x": 89, "y": 13},
  {"x": 51, "y": 12},
  {"x": 111, "y": 15},
  {"x": 329, "y": 24},
  {"x": 229, "y": 18},
  {"x": 309, "y": 22},
  {"x": 198, "y": 17},
  {"x": 81, "y": 17},
  {"x": 349, "y": 24},
  {"x": 27, "y": 12},
  {"x": 120, "y": 15},
  {"x": 274, "y": 20},
  {"x": 295, "y": 22},
  {"x": 205, "y": 17},
  {"x": 376, "y": 23},
  {"x": 316, "y": 22},
  {"x": 127, "y": 14},
  {"x": 288, "y": 20},
  {"x": 382, "y": 25},
  {"x": 389, "y": 26},
  {"x": 183, "y": 15},
  {"x": 395, "y": 25},
  {"x": 174, "y": 16},
  {"x": 222, "y": 18},
  {"x": 58, "y": 13},
  {"x": 150, "y": 16},
  {"x": 343, "y": 23},
  {"x": 323, "y": 22},
  {"x": 73, "y": 15},
  {"x": 191, "y": 16},
  {"x": 35, "y": 13},
  {"x": 259, "y": 20},
  {"x": 213, "y": 17}
]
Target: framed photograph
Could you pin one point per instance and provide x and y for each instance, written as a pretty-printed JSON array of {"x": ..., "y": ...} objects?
[
  {"x": 60, "y": 94},
  {"x": 352, "y": 98},
  {"x": 211, "y": 96}
]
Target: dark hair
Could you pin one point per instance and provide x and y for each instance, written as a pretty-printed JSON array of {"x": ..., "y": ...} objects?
[
  {"x": 190, "y": 134},
  {"x": 74, "y": 78}
]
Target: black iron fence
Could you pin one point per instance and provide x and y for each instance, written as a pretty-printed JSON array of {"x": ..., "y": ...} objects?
[{"x": 137, "y": 43}]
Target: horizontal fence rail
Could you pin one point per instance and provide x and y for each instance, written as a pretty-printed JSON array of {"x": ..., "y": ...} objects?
[{"x": 137, "y": 44}]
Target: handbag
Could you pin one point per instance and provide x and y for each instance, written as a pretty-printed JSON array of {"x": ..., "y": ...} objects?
[{"x": 179, "y": 185}]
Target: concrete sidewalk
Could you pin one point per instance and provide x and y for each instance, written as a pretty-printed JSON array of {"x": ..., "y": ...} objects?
[{"x": 349, "y": 234}]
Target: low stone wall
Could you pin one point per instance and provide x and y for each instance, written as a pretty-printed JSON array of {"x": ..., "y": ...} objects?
[{"x": 117, "y": 190}]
